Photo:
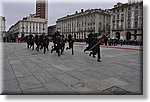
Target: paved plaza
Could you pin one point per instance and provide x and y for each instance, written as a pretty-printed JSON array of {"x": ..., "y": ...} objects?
[{"x": 27, "y": 71}]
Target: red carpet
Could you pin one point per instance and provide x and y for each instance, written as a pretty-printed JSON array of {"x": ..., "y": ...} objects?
[{"x": 117, "y": 47}]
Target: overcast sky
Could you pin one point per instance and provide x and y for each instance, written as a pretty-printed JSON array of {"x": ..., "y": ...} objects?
[{"x": 15, "y": 10}]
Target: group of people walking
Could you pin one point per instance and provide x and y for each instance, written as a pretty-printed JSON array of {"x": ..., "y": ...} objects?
[
  {"x": 59, "y": 43},
  {"x": 42, "y": 42}
]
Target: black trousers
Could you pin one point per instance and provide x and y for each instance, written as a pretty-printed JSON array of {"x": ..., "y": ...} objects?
[{"x": 98, "y": 54}]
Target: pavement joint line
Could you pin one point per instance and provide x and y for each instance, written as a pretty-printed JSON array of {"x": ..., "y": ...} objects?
[
  {"x": 33, "y": 88},
  {"x": 51, "y": 75},
  {"x": 58, "y": 74},
  {"x": 114, "y": 61},
  {"x": 78, "y": 53},
  {"x": 25, "y": 76},
  {"x": 15, "y": 75},
  {"x": 37, "y": 79},
  {"x": 64, "y": 73},
  {"x": 117, "y": 47}
]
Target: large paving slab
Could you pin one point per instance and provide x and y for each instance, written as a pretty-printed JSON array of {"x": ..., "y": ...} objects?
[{"x": 27, "y": 71}]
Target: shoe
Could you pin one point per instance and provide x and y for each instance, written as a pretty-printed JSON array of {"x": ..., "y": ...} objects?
[{"x": 99, "y": 60}]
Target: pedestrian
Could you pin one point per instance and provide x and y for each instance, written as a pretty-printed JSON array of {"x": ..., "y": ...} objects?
[
  {"x": 45, "y": 43},
  {"x": 54, "y": 40},
  {"x": 37, "y": 42},
  {"x": 41, "y": 41},
  {"x": 90, "y": 39},
  {"x": 63, "y": 41},
  {"x": 71, "y": 42},
  {"x": 96, "y": 47},
  {"x": 121, "y": 40},
  {"x": 31, "y": 41},
  {"x": 58, "y": 45}
]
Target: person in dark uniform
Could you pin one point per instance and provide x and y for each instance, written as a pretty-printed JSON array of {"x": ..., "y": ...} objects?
[
  {"x": 41, "y": 38},
  {"x": 27, "y": 40},
  {"x": 71, "y": 42},
  {"x": 63, "y": 41},
  {"x": 121, "y": 42},
  {"x": 91, "y": 48},
  {"x": 54, "y": 41},
  {"x": 90, "y": 39},
  {"x": 58, "y": 45},
  {"x": 96, "y": 47},
  {"x": 45, "y": 43},
  {"x": 31, "y": 41},
  {"x": 37, "y": 42}
]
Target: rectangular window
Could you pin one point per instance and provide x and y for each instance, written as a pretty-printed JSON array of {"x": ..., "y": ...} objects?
[
  {"x": 113, "y": 17},
  {"x": 136, "y": 24},
  {"x": 122, "y": 16},
  {"x": 118, "y": 16},
  {"x": 114, "y": 11},
  {"x": 129, "y": 8},
  {"x": 136, "y": 7},
  {"x": 129, "y": 14},
  {"x": 129, "y": 24},
  {"x": 136, "y": 13}
]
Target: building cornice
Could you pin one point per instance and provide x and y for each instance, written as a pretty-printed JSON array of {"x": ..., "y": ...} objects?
[{"x": 86, "y": 12}]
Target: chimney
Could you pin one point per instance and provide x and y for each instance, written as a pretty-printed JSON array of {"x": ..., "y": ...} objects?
[
  {"x": 76, "y": 12},
  {"x": 82, "y": 10}
]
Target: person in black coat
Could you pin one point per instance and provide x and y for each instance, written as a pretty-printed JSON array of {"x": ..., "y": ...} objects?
[
  {"x": 45, "y": 43},
  {"x": 54, "y": 40},
  {"x": 31, "y": 41},
  {"x": 37, "y": 42},
  {"x": 58, "y": 45},
  {"x": 71, "y": 42},
  {"x": 96, "y": 47},
  {"x": 41, "y": 40},
  {"x": 90, "y": 39},
  {"x": 63, "y": 41}
]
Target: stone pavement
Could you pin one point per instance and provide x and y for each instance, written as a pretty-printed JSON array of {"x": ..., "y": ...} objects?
[{"x": 30, "y": 72}]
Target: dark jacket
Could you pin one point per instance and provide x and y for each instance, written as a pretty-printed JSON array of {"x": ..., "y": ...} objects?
[{"x": 95, "y": 44}]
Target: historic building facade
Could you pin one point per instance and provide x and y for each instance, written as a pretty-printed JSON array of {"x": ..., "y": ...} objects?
[
  {"x": 80, "y": 24},
  {"x": 29, "y": 25},
  {"x": 127, "y": 21},
  {"x": 2, "y": 26}
]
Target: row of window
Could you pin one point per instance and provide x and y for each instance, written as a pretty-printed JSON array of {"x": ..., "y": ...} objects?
[
  {"x": 136, "y": 15},
  {"x": 136, "y": 24},
  {"x": 80, "y": 24},
  {"x": 129, "y": 8}
]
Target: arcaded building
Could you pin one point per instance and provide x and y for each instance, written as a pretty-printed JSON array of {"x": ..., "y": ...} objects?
[
  {"x": 82, "y": 23},
  {"x": 127, "y": 21}
]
